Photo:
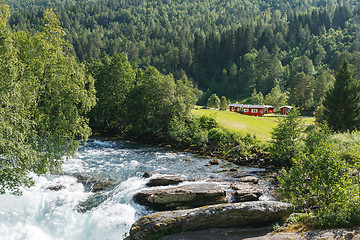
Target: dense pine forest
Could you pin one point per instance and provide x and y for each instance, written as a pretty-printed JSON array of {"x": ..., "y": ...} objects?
[{"x": 230, "y": 48}]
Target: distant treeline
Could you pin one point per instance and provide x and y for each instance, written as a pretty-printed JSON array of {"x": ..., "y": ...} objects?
[{"x": 227, "y": 47}]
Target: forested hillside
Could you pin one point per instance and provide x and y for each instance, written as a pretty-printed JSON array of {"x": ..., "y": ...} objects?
[
  {"x": 229, "y": 47},
  {"x": 26, "y": 4}
]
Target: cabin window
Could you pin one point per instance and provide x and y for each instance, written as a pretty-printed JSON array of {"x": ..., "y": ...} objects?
[
  {"x": 254, "y": 110},
  {"x": 246, "y": 110}
]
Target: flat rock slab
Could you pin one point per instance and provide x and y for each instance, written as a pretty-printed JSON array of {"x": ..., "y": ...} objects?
[
  {"x": 258, "y": 213},
  {"x": 245, "y": 192},
  {"x": 165, "y": 180},
  {"x": 250, "y": 179},
  {"x": 182, "y": 197},
  {"x": 263, "y": 234}
]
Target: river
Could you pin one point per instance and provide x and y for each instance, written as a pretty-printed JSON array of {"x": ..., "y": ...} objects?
[{"x": 42, "y": 214}]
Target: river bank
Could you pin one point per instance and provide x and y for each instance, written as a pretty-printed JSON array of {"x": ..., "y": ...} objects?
[{"x": 269, "y": 172}]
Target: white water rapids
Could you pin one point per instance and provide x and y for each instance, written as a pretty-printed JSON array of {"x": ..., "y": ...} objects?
[{"x": 44, "y": 214}]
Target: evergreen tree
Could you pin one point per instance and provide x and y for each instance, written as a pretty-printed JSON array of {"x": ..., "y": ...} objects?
[{"x": 342, "y": 103}]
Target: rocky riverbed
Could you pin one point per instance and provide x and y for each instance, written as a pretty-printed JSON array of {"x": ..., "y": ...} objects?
[
  {"x": 218, "y": 209},
  {"x": 184, "y": 205}
]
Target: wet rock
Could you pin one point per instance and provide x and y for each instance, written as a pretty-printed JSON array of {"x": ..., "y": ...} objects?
[
  {"x": 165, "y": 180},
  {"x": 101, "y": 185},
  {"x": 258, "y": 213},
  {"x": 214, "y": 162},
  {"x": 233, "y": 170},
  {"x": 94, "y": 184},
  {"x": 91, "y": 203},
  {"x": 148, "y": 174},
  {"x": 56, "y": 188},
  {"x": 251, "y": 179},
  {"x": 236, "y": 174},
  {"x": 245, "y": 192},
  {"x": 183, "y": 197}
]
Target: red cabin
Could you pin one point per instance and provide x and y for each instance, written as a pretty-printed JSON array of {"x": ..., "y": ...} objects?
[
  {"x": 253, "y": 110},
  {"x": 269, "y": 109},
  {"x": 285, "y": 109},
  {"x": 235, "y": 107}
]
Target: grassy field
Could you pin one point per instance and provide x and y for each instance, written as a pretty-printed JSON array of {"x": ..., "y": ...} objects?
[{"x": 260, "y": 126}]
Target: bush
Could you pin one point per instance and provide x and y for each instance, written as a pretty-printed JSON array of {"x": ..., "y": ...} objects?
[
  {"x": 229, "y": 140},
  {"x": 191, "y": 131},
  {"x": 285, "y": 143},
  {"x": 323, "y": 182},
  {"x": 207, "y": 122},
  {"x": 213, "y": 101},
  {"x": 204, "y": 131}
]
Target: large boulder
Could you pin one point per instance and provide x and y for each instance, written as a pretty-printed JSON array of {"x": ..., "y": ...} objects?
[
  {"x": 165, "y": 180},
  {"x": 245, "y": 214},
  {"x": 94, "y": 183},
  {"x": 245, "y": 192},
  {"x": 182, "y": 197}
]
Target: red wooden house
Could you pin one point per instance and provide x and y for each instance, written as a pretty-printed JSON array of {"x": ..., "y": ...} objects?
[
  {"x": 235, "y": 107},
  {"x": 269, "y": 109},
  {"x": 285, "y": 109},
  {"x": 253, "y": 110}
]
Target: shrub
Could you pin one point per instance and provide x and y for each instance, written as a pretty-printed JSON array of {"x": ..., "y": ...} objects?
[
  {"x": 286, "y": 138},
  {"x": 323, "y": 182},
  {"x": 213, "y": 101},
  {"x": 207, "y": 122},
  {"x": 231, "y": 140},
  {"x": 189, "y": 131}
]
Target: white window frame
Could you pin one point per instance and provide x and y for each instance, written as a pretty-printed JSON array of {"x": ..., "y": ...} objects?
[
  {"x": 246, "y": 110},
  {"x": 254, "y": 110}
]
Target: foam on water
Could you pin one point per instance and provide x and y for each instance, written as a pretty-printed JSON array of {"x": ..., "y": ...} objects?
[{"x": 41, "y": 213}]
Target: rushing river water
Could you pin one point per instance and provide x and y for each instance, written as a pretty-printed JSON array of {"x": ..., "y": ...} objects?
[{"x": 41, "y": 213}]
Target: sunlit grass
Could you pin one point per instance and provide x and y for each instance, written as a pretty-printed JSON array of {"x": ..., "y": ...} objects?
[{"x": 260, "y": 126}]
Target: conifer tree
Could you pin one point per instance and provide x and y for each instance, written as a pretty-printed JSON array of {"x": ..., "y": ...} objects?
[{"x": 341, "y": 105}]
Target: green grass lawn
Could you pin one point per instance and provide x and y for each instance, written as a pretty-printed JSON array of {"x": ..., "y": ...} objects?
[{"x": 260, "y": 126}]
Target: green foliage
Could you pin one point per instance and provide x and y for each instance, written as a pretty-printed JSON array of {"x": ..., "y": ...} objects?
[
  {"x": 276, "y": 97},
  {"x": 44, "y": 95},
  {"x": 230, "y": 141},
  {"x": 207, "y": 122},
  {"x": 213, "y": 101},
  {"x": 285, "y": 142},
  {"x": 323, "y": 83},
  {"x": 205, "y": 132},
  {"x": 302, "y": 92},
  {"x": 342, "y": 103},
  {"x": 155, "y": 101},
  {"x": 257, "y": 98},
  {"x": 224, "y": 103},
  {"x": 115, "y": 78},
  {"x": 323, "y": 182},
  {"x": 193, "y": 131},
  {"x": 230, "y": 54}
]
